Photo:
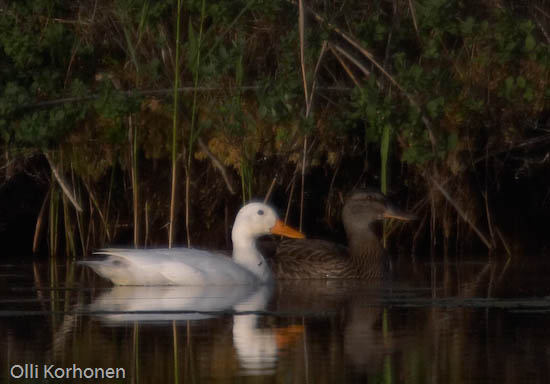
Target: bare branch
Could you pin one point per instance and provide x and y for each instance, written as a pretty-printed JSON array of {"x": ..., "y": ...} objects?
[
  {"x": 154, "y": 92},
  {"x": 302, "y": 61},
  {"x": 544, "y": 32},
  {"x": 413, "y": 15},
  {"x": 270, "y": 190},
  {"x": 96, "y": 204},
  {"x": 39, "y": 223},
  {"x": 217, "y": 164},
  {"x": 344, "y": 65},
  {"x": 315, "y": 71},
  {"x": 371, "y": 58},
  {"x": 63, "y": 184},
  {"x": 460, "y": 211}
]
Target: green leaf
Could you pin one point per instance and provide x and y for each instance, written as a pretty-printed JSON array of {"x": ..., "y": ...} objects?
[
  {"x": 435, "y": 107},
  {"x": 467, "y": 26},
  {"x": 530, "y": 43},
  {"x": 509, "y": 86},
  {"x": 262, "y": 111},
  {"x": 239, "y": 71},
  {"x": 452, "y": 141},
  {"x": 529, "y": 94},
  {"x": 5, "y": 134}
]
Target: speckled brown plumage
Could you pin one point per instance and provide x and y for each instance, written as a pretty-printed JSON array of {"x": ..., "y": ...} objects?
[{"x": 364, "y": 258}]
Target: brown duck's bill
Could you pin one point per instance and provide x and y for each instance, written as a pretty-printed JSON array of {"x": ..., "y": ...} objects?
[
  {"x": 281, "y": 228},
  {"x": 395, "y": 213}
]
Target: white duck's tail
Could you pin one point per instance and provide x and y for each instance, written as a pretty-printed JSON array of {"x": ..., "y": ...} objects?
[{"x": 121, "y": 271}]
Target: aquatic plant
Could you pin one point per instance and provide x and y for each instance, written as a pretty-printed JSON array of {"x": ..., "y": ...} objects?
[{"x": 425, "y": 96}]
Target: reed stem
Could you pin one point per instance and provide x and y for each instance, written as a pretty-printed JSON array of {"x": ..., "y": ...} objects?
[
  {"x": 69, "y": 231},
  {"x": 175, "y": 341},
  {"x": 108, "y": 205},
  {"x": 40, "y": 223},
  {"x": 384, "y": 178},
  {"x": 134, "y": 172},
  {"x": 243, "y": 189},
  {"x": 172, "y": 224},
  {"x": 54, "y": 218},
  {"x": 192, "y": 128},
  {"x": 79, "y": 217},
  {"x": 303, "y": 183}
]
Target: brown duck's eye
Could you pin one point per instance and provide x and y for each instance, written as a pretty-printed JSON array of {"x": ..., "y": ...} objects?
[{"x": 260, "y": 212}]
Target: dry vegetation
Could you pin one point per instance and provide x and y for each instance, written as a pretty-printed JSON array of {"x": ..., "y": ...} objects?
[{"x": 441, "y": 103}]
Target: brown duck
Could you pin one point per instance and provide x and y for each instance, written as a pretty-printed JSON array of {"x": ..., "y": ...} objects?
[{"x": 363, "y": 258}]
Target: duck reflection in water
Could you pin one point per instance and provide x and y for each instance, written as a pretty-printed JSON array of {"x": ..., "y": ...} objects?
[
  {"x": 258, "y": 339},
  {"x": 257, "y": 349}
]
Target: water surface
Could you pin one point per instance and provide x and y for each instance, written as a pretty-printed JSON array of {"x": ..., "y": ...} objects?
[{"x": 454, "y": 323}]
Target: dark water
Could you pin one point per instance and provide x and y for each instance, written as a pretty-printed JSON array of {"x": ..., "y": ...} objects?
[{"x": 434, "y": 323}]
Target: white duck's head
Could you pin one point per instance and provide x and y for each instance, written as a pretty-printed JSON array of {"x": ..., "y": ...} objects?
[{"x": 258, "y": 219}]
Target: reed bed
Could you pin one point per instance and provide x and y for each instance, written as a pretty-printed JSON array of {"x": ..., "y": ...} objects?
[{"x": 298, "y": 102}]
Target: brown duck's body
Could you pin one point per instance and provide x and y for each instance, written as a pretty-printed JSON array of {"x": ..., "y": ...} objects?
[
  {"x": 364, "y": 258},
  {"x": 319, "y": 259}
]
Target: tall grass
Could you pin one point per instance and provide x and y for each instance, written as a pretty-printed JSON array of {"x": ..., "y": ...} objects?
[
  {"x": 139, "y": 54},
  {"x": 301, "y": 28},
  {"x": 196, "y": 43},
  {"x": 247, "y": 174},
  {"x": 69, "y": 229},
  {"x": 132, "y": 44},
  {"x": 175, "y": 109},
  {"x": 53, "y": 220},
  {"x": 79, "y": 216},
  {"x": 135, "y": 182},
  {"x": 384, "y": 160}
]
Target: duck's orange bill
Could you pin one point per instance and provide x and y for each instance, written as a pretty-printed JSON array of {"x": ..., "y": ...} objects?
[
  {"x": 281, "y": 229},
  {"x": 285, "y": 337}
]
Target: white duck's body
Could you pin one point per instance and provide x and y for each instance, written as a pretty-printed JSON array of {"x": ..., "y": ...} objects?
[{"x": 187, "y": 266}]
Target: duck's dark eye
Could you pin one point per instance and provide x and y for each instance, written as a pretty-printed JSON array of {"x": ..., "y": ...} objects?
[{"x": 260, "y": 212}]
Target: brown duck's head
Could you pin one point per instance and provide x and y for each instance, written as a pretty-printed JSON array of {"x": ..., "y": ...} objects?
[{"x": 365, "y": 206}]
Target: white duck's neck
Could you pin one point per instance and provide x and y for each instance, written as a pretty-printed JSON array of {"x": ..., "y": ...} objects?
[{"x": 247, "y": 255}]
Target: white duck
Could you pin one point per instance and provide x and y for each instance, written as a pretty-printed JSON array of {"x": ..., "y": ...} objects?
[{"x": 186, "y": 266}]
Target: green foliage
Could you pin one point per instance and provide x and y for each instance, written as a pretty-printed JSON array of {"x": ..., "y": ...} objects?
[
  {"x": 448, "y": 67},
  {"x": 36, "y": 56},
  {"x": 462, "y": 70},
  {"x": 278, "y": 101}
]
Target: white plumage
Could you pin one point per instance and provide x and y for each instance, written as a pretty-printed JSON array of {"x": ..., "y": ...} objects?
[{"x": 187, "y": 266}]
